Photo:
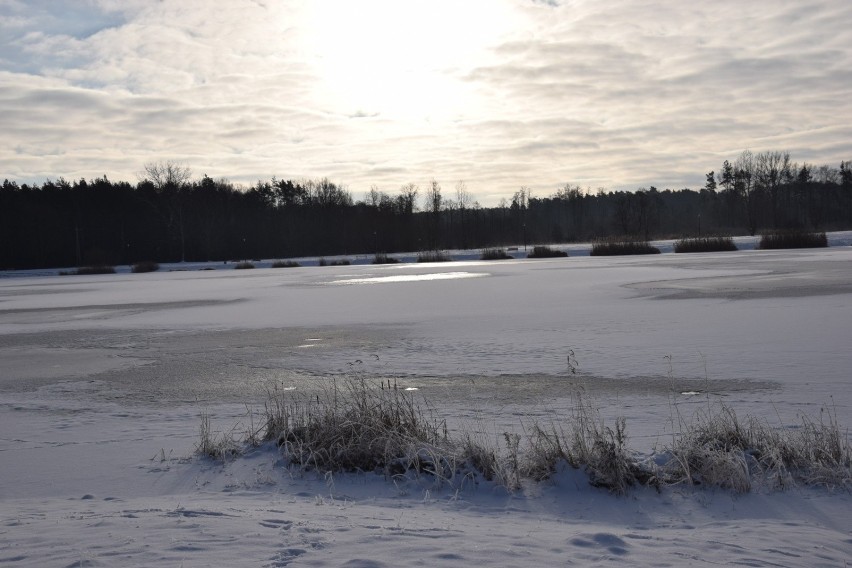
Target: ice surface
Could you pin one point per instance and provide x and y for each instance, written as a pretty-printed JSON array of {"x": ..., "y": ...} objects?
[{"x": 103, "y": 379}]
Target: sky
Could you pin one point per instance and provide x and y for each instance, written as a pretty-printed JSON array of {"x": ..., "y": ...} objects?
[{"x": 498, "y": 94}]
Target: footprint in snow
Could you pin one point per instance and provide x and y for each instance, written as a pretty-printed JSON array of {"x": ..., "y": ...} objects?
[
  {"x": 613, "y": 544},
  {"x": 286, "y": 556},
  {"x": 276, "y": 524}
]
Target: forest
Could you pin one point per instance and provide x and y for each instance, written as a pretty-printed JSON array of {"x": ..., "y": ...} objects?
[{"x": 167, "y": 216}]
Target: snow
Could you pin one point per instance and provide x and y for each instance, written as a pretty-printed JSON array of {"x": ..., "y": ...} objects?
[{"x": 103, "y": 380}]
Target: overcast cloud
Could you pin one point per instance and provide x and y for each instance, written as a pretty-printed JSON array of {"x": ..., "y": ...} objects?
[{"x": 500, "y": 94}]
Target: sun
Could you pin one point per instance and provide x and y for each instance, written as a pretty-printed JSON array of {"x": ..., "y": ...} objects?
[{"x": 399, "y": 58}]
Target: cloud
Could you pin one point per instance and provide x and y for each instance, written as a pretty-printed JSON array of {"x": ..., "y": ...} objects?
[{"x": 688, "y": 84}]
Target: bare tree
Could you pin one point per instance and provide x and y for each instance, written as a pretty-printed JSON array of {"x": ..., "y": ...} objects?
[
  {"x": 463, "y": 200},
  {"x": 433, "y": 204},
  {"x": 826, "y": 174},
  {"x": 170, "y": 178},
  {"x": 373, "y": 197},
  {"x": 745, "y": 187},
  {"x": 166, "y": 175},
  {"x": 463, "y": 197},
  {"x": 433, "y": 198},
  {"x": 772, "y": 170},
  {"x": 408, "y": 198}
]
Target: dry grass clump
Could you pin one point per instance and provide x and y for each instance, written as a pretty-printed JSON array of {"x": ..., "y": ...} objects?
[
  {"x": 714, "y": 450},
  {"x": 602, "y": 451},
  {"x": 383, "y": 258},
  {"x": 144, "y": 266},
  {"x": 540, "y": 251},
  {"x": 245, "y": 265},
  {"x": 341, "y": 262},
  {"x": 484, "y": 456},
  {"x": 494, "y": 254},
  {"x": 792, "y": 240},
  {"x": 216, "y": 445},
  {"x": 719, "y": 449},
  {"x": 358, "y": 425},
  {"x": 89, "y": 270},
  {"x": 705, "y": 244},
  {"x": 433, "y": 256},
  {"x": 621, "y": 247},
  {"x": 285, "y": 264},
  {"x": 585, "y": 441}
]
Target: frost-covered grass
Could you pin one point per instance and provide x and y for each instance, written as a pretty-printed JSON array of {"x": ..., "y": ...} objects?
[
  {"x": 356, "y": 425},
  {"x": 622, "y": 247},
  {"x": 584, "y": 441},
  {"x": 360, "y": 425},
  {"x": 245, "y": 265},
  {"x": 218, "y": 445},
  {"x": 792, "y": 240},
  {"x": 718, "y": 448},
  {"x": 705, "y": 244},
  {"x": 285, "y": 264}
]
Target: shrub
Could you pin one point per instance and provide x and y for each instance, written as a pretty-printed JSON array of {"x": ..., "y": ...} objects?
[
  {"x": 144, "y": 266},
  {"x": 285, "y": 264},
  {"x": 494, "y": 254},
  {"x": 324, "y": 262},
  {"x": 87, "y": 270},
  {"x": 433, "y": 256},
  {"x": 705, "y": 244},
  {"x": 383, "y": 258},
  {"x": 546, "y": 252},
  {"x": 792, "y": 240},
  {"x": 245, "y": 265},
  {"x": 613, "y": 248}
]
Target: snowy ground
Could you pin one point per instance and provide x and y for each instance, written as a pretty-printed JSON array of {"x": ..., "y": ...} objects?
[{"x": 103, "y": 379}]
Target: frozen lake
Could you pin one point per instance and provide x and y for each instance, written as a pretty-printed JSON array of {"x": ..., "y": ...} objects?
[
  {"x": 99, "y": 373},
  {"x": 771, "y": 326}
]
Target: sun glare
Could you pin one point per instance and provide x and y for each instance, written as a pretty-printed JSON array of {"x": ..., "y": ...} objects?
[{"x": 402, "y": 59}]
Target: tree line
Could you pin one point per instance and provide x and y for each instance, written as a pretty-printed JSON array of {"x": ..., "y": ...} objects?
[{"x": 167, "y": 216}]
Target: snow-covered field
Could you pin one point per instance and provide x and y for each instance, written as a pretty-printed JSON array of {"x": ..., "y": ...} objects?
[{"x": 103, "y": 380}]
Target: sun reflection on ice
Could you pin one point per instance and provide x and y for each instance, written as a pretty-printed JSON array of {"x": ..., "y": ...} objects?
[{"x": 410, "y": 278}]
